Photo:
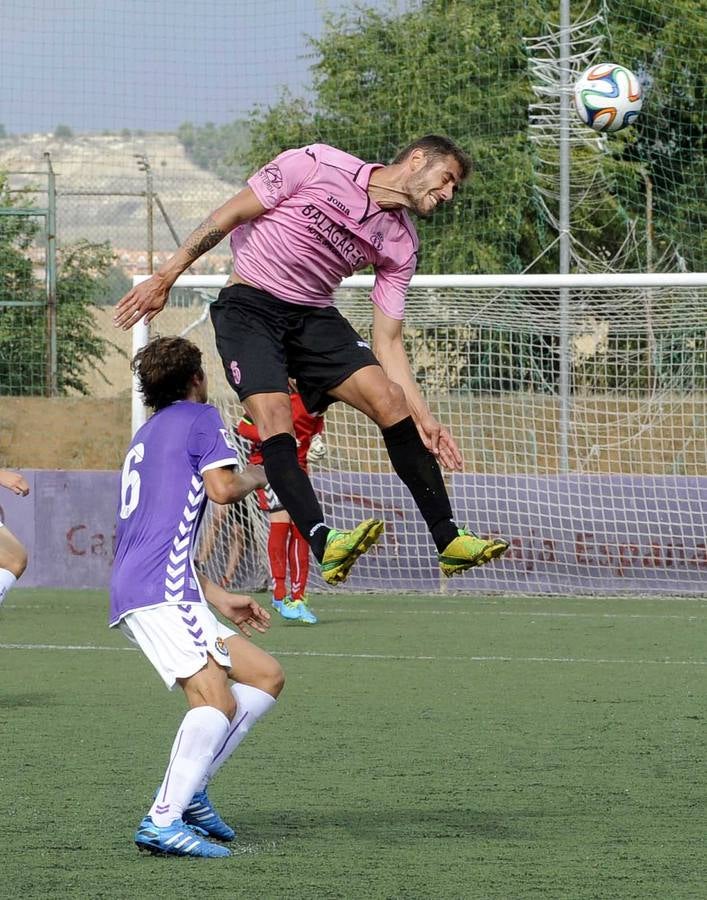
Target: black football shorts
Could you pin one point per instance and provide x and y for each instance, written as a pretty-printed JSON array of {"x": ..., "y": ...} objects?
[{"x": 263, "y": 340}]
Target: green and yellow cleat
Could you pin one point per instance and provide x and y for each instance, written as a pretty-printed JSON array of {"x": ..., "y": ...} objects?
[
  {"x": 343, "y": 548},
  {"x": 469, "y": 550}
]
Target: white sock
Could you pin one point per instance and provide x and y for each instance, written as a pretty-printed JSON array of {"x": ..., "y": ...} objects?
[
  {"x": 251, "y": 705},
  {"x": 7, "y": 579},
  {"x": 201, "y": 733}
]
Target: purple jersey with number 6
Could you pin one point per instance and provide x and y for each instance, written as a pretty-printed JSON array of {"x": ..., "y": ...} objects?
[{"x": 162, "y": 500}]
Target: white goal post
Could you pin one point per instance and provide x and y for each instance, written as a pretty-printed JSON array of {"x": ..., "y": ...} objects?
[{"x": 579, "y": 403}]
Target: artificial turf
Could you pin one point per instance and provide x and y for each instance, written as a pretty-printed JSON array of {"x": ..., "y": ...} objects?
[{"x": 423, "y": 747}]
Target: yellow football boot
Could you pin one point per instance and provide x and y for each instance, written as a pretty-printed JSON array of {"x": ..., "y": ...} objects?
[
  {"x": 343, "y": 548},
  {"x": 468, "y": 550}
]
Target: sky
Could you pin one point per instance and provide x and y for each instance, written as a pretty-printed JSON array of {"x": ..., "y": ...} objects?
[{"x": 106, "y": 65}]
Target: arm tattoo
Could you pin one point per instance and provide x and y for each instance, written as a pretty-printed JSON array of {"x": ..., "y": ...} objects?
[{"x": 203, "y": 238}]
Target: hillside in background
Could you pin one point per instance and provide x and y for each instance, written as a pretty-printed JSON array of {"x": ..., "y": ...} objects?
[{"x": 101, "y": 190}]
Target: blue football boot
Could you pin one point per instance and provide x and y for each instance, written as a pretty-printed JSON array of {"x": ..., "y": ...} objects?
[
  {"x": 277, "y": 604},
  {"x": 306, "y": 614},
  {"x": 177, "y": 839},
  {"x": 201, "y": 814},
  {"x": 291, "y": 609}
]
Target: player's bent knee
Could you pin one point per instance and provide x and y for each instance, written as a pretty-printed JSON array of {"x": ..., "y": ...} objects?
[
  {"x": 270, "y": 677},
  {"x": 272, "y": 413},
  {"x": 390, "y": 405},
  {"x": 13, "y": 555},
  {"x": 20, "y": 563},
  {"x": 277, "y": 680},
  {"x": 15, "y": 563}
]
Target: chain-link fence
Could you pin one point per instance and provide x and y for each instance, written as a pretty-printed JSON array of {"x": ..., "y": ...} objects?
[{"x": 188, "y": 117}]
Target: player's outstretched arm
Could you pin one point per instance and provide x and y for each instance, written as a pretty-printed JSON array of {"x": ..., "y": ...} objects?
[
  {"x": 390, "y": 351},
  {"x": 14, "y": 482},
  {"x": 226, "y": 485},
  {"x": 150, "y": 297},
  {"x": 243, "y": 611}
]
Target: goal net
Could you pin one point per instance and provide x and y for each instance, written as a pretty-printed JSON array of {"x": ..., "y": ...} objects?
[{"x": 579, "y": 404}]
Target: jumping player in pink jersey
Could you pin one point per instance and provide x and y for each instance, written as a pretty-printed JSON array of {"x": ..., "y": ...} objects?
[
  {"x": 305, "y": 221},
  {"x": 180, "y": 457}
]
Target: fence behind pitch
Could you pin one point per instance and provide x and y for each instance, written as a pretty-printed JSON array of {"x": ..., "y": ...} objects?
[{"x": 580, "y": 405}]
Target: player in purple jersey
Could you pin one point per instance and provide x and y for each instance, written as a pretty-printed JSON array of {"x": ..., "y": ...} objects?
[
  {"x": 306, "y": 220},
  {"x": 179, "y": 458},
  {"x": 13, "y": 556}
]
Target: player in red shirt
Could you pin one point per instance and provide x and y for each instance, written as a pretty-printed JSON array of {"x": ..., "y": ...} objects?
[{"x": 285, "y": 544}]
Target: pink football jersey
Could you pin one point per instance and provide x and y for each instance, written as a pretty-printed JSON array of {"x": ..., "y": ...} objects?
[{"x": 320, "y": 227}]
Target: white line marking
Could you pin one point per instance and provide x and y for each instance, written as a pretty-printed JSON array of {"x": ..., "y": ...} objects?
[
  {"x": 500, "y": 612},
  {"x": 516, "y": 659},
  {"x": 402, "y": 611},
  {"x": 403, "y": 657},
  {"x": 63, "y": 647}
]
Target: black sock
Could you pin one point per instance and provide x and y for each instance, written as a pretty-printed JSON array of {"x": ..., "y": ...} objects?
[
  {"x": 420, "y": 471},
  {"x": 294, "y": 490}
]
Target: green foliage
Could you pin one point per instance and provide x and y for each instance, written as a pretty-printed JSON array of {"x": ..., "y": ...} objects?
[
  {"x": 664, "y": 44},
  {"x": 114, "y": 285},
  {"x": 382, "y": 78},
  {"x": 85, "y": 272},
  {"x": 216, "y": 148},
  {"x": 83, "y": 275}
]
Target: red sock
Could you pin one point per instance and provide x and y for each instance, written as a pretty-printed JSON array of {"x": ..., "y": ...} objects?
[
  {"x": 298, "y": 552},
  {"x": 277, "y": 555}
]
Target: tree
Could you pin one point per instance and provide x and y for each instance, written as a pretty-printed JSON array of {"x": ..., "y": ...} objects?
[
  {"x": 114, "y": 285},
  {"x": 82, "y": 272},
  {"x": 664, "y": 44},
  {"x": 216, "y": 148},
  {"x": 382, "y": 78}
]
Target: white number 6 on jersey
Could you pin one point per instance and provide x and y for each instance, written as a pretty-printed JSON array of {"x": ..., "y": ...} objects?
[{"x": 130, "y": 481}]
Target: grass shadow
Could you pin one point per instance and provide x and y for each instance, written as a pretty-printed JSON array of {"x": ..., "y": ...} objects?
[
  {"x": 392, "y": 825},
  {"x": 27, "y": 698}
]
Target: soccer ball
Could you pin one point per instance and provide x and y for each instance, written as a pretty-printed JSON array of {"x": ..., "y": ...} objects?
[{"x": 607, "y": 97}]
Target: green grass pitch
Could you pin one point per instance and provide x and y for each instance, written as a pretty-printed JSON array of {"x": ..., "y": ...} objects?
[{"x": 424, "y": 747}]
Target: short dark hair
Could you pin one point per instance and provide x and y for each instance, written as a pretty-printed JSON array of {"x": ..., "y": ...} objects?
[
  {"x": 436, "y": 146},
  {"x": 164, "y": 368}
]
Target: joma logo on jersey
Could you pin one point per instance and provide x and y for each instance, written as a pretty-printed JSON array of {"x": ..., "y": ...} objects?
[
  {"x": 338, "y": 204},
  {"x": 271, "y": 176}
]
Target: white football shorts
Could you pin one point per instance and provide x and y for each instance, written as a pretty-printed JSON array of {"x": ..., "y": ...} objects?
[{"x": 176, "y": 638}]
